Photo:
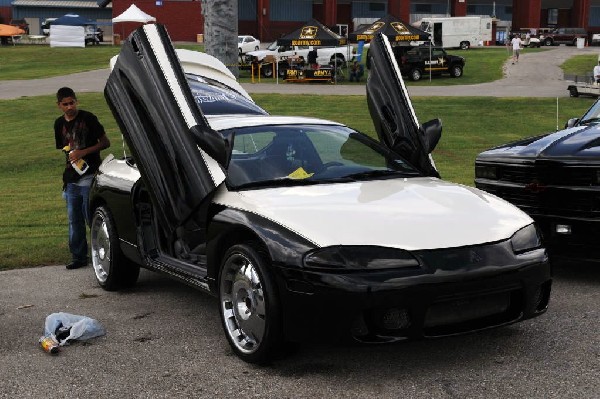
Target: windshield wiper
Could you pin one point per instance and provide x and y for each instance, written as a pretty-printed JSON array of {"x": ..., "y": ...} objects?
[
  {"x": 382, "y": 173},
  {"x": 281, "y": 182}
]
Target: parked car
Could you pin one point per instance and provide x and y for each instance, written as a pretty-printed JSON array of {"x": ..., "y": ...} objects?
[
  {"x": 93, "y": 35},
  {"x": 46, "y": 25},
  {"x": 414, "y": 62},
  {"x": 529, "y": 37},
  {"x": 248, "y": 43},
  {"x": 555, "y": 178},
  {"x": 302, "y": 227},
  {"x": 567, "y": 36},
  {"x": 335, "y": 56}
]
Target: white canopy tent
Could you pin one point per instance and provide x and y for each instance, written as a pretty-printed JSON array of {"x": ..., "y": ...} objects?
[
  {"x": 67, "y": 36},
  {"x": 134, "y": 14}
]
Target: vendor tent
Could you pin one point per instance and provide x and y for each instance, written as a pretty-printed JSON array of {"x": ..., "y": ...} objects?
[
  {"x": 134, "y": 14},
  {"x": 72, "y": 20},
  {"x": 394, "y": 28},
  {"x": 67, "y": 36},
  {"x": 69, "y": 31},
  {"x": 313, "y": 33}
]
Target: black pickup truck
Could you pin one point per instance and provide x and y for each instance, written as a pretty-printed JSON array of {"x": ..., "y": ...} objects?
[{"x": 415, "y": 62}]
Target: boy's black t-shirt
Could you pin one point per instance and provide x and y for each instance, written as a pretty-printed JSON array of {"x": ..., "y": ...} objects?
[{"x": 82, "y": 132}]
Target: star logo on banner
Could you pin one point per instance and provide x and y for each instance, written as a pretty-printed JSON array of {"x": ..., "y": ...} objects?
[{"x": 308, "y": 32}]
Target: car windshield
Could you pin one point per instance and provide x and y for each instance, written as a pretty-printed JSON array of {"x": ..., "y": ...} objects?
[
  {"x": 284, "y": 155},
  {"x": 240, "y": 39},
  {"x": 592, "y": 115},
  {"x": 273, "y": 46}
]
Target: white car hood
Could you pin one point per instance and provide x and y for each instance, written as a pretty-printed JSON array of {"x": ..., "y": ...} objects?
[{"x": 412, "y": 214}]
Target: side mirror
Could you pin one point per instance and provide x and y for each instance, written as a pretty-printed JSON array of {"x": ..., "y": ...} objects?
[
  {"x": 432, "y": 132},
  {"x": 571, "y": 122}
]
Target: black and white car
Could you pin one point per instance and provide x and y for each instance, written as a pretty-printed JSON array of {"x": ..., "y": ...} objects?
[{"x": 301, "y": 227}]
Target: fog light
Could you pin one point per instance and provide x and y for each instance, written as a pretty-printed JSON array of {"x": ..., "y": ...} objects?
[
  {"x": 395, "y": 319},
  {"x": 563, "y": 229}
]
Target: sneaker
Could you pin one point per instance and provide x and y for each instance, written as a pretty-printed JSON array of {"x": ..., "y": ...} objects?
[{"x": 75, "y": 265}]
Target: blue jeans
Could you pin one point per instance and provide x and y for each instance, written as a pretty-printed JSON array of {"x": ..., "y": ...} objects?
[{"x": 78, "y": 213}]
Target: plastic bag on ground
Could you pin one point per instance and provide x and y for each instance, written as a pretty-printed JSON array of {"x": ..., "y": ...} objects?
[{"x": 79, "y": 327}]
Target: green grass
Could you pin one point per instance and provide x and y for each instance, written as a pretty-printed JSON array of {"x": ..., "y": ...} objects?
[
  {"x": 33, "y": 226},
  {"x": 580, "y": 65},
  {"x": 33, "y": 62}
]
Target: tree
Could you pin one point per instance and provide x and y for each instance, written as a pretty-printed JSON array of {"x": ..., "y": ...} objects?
[{"x": 221, "y": 31}]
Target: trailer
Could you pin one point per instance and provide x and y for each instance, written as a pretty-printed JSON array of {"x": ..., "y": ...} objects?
[{"x": 458, "y": 32}]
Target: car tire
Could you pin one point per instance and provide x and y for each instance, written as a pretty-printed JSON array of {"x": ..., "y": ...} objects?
[
  {"x": 240, "y": 51},
  {"x": 465, "y": 45},
  {"x": 416, "y": 74},
  {"x": 248, "y": 304},
  {"x": 548, "y": 42},
  {"x": 110, "y": 267},
  {"x": 282, "y": 72},
  {"x": 456, "y": 71},
  {"x": 337, "y": 61},
  {"x": 573, "y": 92},
  {"x": 256, "y": 48},
  {"x": 267, "y": 70}
]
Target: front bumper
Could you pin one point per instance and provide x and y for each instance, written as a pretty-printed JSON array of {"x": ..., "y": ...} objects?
[
  {"x": 574, "y": 238},
  {"x": 376, "y": 307}
]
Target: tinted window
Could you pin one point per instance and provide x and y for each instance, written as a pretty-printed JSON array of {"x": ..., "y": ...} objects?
[{"x": 308, "y": 154}]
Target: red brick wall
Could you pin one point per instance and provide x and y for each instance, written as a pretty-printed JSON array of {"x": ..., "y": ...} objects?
[
  {"x": 5, "y": 15},
  {"x": 183, "y": 19}
]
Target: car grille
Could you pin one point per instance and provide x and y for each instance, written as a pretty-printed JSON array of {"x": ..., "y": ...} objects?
[
  {"x": 548, "y": 190},
  {"x": 568, "y": 176}
]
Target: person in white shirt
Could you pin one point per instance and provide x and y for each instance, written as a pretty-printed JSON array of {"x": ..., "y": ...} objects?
[
  {"x": 597, "y": 72},
  {"x": 516, "y": 47}
]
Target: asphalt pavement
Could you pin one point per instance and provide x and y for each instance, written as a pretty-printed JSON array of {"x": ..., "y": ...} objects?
[{"x": 535, "y": 75}]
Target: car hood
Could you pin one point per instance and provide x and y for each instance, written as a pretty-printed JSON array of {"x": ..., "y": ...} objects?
[
  {"x": 412, "y": 214},
  {"x": 260, "y": 54},
  {"x": 578, "y": 142}
]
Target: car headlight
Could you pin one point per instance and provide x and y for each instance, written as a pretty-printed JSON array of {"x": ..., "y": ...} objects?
[
  {"x": 525, "y": 240},
  {"x": 486, "y": 172},
  {"x": 359, "y": 258}
]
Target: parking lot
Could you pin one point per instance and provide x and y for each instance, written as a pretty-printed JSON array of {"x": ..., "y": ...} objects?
[{"x": 165, "y": 340}]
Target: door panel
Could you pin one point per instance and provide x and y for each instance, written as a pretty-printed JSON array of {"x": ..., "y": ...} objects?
[
  {"x": 391, "y": 109},
  {"x": 179, "y": 156}
]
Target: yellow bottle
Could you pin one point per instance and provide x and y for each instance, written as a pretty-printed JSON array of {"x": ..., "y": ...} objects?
[
  {"x": 80, "y": 165},
  {"x": 49, "y": 344}
]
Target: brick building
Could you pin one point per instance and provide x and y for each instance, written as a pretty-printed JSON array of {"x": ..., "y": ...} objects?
[{"x": 269, "y": 19}]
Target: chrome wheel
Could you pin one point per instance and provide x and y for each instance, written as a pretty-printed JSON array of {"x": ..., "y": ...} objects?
[
  {"x": 248, "y": 304},
  {"x": 415, "y": 74},
  {"x": 110, "y": 267},
  {"x": 100, "y": 248},
  {"x": 456, "y": 71},
  {"x": 243, "y": 303}
]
